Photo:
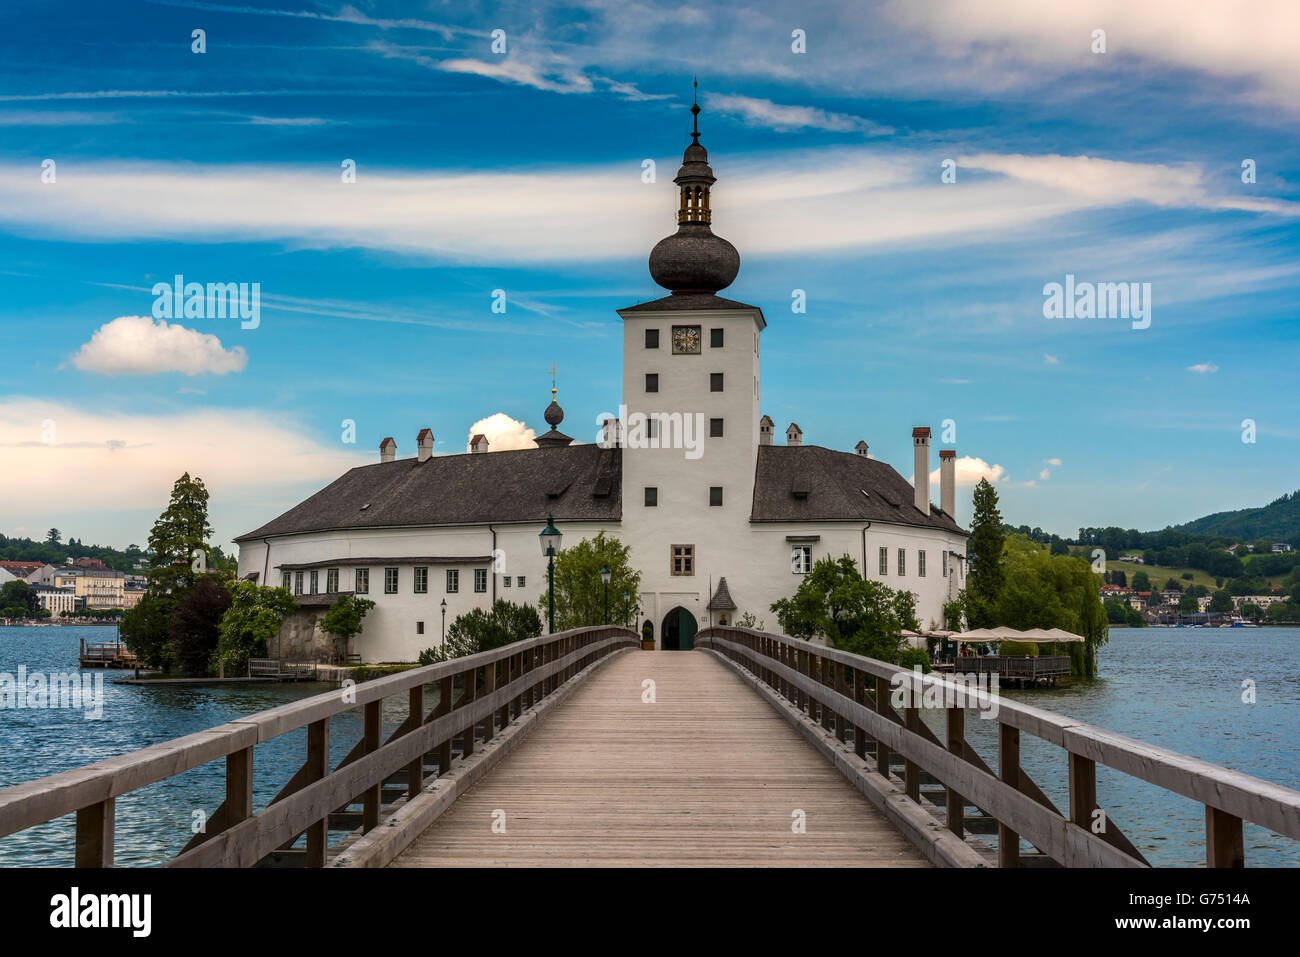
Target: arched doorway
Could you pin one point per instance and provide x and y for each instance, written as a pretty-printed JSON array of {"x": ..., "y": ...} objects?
[{"x": 678, "y": 632}]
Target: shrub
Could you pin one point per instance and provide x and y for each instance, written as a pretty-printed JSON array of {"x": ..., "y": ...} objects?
[
  {"x": 909, "y": 658},
  {"x": 1018, "y": 649}
]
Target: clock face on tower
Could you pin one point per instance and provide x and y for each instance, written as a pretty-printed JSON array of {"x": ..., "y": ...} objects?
[{"x": 686, "y": 340}]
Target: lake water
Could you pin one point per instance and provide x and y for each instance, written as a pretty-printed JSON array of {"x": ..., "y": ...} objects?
[{"x": 1176, "y": 687}]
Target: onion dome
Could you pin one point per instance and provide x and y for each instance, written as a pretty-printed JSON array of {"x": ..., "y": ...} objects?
[
  {"x": 554, "y": 415},
  {"x": 693, "y": 260}
]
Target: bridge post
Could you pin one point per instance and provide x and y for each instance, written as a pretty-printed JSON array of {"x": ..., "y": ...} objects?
[
  {"x": 415, "y": 770},
  {"x": 447, "y": 691},
  {"x": 860, "y": 696},
  {"x": 239, "y": 786},
  {"x": 912, "y": 770},
  {"x": 1083, "y": 790},
  {"x": 882, "y": 706},
  {"x": 1009, "y": 771},
  {"x": 489, "y": 686},
  {"x": 317, "y": 767},
  {"x": 471, "y": 692},
  {"x": 956, "y": 745},
  {"x": 370, "y": 797},
  {"x": 1224, "y": 846},
  {"x": 94, "y": 840}
]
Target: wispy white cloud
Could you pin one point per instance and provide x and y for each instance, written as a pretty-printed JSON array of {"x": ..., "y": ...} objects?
[
  {"x": 141, "y": 345},
  {"x": 786, "y": 118},
  {"x": 1203, "y": 367},
  {"x": 1051, "y": 360}
]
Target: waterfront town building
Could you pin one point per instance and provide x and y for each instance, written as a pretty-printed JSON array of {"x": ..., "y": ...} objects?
[{"x": 720, "y": 520}]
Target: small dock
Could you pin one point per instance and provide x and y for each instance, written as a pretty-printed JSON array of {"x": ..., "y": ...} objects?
[
  {"x": 109, "y": 654},
  {"x": 1017, "y": 670}
]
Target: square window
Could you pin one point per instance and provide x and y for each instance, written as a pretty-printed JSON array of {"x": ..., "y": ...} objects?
[
  {"x": 801, "y": 559},
  {"x": 920, "y": 564},
  {"x": 652, "y": 427},
  {"x": 652, "y": 338},
  {"x": 715, "y": 338},
  {"x": 651, "y": 496},
  {"x": 390, "y": 581},
  {"x": 315, "y": 581},
  {"x": 363, "y": 581},
  {"x": 453, "y": 581},
  {"x": 652, "y": 381},
  {"x": 884, "y": 560},
  {"x": 480, "y": 579},
  {"x": 715, "y": 381},
  {"x": 331, "y": 581},
  {"x": 419, "y": 627},
  {"x": 421, "y": 580},
  {"x": 902, "y": 561},
  {"x": 683, "y": 559},
  {"x": 521, "y": 581},
  {"x": 715, "y": 428},
  {"x": 505, "y": 581},
  {"x": 715, "y": 495}
]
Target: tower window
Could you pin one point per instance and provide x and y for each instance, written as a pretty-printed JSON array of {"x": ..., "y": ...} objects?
[
  {"x": 651, "y": 496},
  {"x": 715, "y": 381},
  {"x": 715, "y": 428},
  {"x": 683, "y": 560},
  {"x": 652, "y": 338},
  {"x": 419, "y": 627},
  {"x": 652, "y": 382},
  {"x": 715, "y": 338},
  {"x": 715, "y": 495}
]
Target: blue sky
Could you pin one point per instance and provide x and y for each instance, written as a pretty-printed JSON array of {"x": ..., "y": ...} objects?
[{"x": 522, "y": 171}]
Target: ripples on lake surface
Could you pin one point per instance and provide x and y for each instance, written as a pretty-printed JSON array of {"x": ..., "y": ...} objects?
[{"x": 1179, "y": 688}]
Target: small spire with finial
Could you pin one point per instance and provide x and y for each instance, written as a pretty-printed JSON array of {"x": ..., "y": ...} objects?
[{"x": 695, "y": 111}]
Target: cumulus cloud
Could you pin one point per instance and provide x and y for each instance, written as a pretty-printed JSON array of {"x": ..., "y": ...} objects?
[
  {"x": 1203, "y": 367},
  {"x": 140, "y": 345},
  {"x": 969, "y": 470},
  {"x": 1050, "y": 359},
  {"x": 1053, "y": 461},
  {"x": 255, "y": 466},
  {"x": 503, "y": 433},
  {"x": 760, "y": 112}
]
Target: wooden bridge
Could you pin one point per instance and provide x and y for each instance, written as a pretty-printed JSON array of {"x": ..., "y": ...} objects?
[{"x": 574, "y": 748}]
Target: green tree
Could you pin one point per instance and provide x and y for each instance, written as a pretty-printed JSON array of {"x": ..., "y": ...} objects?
[
  {"x": 986, "y": 541},
  {"x": 579, "y": 593},
  {"x": 1251, "y": 610},
  {"x": 19, "y": 600},
  {"x": 195, "y": 625},
  {"x": 485, "y": 629},
  {"x": 1053, "y": 591},
  {"x": 835, "y": 603},
  {"x": 1173, "y": 584},
  {"x": 52, "y": 536},
  {"x": 1141, "y": 581},
  {"x": 179, "y": 536},
  {"x": 247, "y": 628},
  {"x": 1221, "y": 602},
  {"x": 145, "y": 627},
  {"x": 1188, "y": 604},
  {"x": 343, "y": 620}
]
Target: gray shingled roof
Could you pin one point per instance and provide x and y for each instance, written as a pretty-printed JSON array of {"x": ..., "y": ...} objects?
[
  {"x": 722, "y": 600},
  {"x": 834, "y": 486},
  {"x": 576, "y": 482},
  {"x": 687, "y": 301}
]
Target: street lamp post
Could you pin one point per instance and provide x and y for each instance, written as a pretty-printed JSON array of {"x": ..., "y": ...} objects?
[
  {"x": 444, "y": 622},
  {"x": 605, "y": 576},
  {"x": 626, "y": 596},
  {"x": 550, "y": 540}
]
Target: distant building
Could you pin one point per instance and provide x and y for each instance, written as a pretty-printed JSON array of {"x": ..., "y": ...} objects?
[
  {"x": 21, "y": 569},
  {"x": 1280, "y": 547},
  {"x": 1133, "y": 558},
  {"x": 57, "y": 601},
  {"x": 94, "y": 587}
]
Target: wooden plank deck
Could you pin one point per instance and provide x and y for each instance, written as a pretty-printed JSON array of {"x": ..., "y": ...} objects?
[{"x": 709, "y": 775}]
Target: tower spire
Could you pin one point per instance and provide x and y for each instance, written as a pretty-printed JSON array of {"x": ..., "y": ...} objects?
[{"x": 695, "y": 111}]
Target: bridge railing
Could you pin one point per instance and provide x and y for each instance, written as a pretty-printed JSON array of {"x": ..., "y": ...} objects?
[
  {"x": 478, "y": 696},
  {"x": 850, "y": 695}
]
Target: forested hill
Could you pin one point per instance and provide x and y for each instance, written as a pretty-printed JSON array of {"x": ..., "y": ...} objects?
[{"x": 1279, "y": 521}]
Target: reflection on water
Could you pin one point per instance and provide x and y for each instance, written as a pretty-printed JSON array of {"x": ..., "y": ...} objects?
[{"x": 1179, "y": 688}]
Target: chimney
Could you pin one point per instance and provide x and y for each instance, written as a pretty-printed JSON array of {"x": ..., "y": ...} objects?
[
  {"x": 921, "y": 468},
  {"x": 387, "y": 450},
  {"x": 765, "y": 426},
  {"x": 948, "y": 482},
  {"x": 794, "y": 434},
  {"x": 861, "y": 448},
  {"x": 424, "y": 441},
  {"x": 478, "y": 443},
  {"x": 611, "y": 436}
]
